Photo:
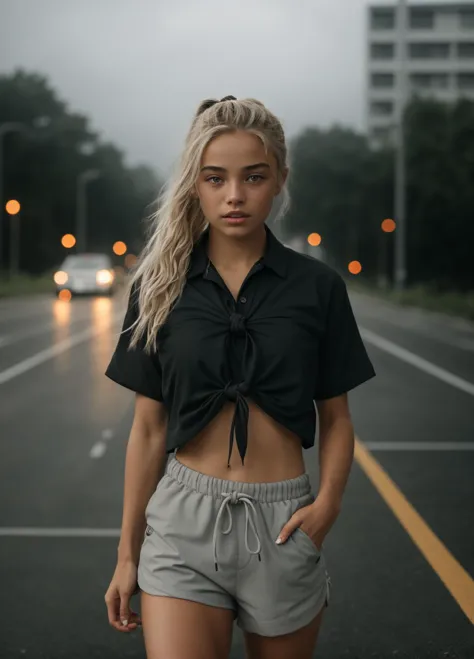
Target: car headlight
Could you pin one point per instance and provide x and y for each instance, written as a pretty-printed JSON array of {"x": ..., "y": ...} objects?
[
  {"x": 104, "y": 277},
  {"x": 60, "y": 277}
]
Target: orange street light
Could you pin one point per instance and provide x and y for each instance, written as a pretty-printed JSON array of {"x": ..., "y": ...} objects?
[
  {"x": 388, "y": 226},
  {"x": 13, "y": 207},
  {"x": 354, "y": 267},
  {"x": 68, "y": 241},
  {"x": 65, "y": 295},
  {"x": 119, "y": 248},
  {"x": 314, "y": 239}
]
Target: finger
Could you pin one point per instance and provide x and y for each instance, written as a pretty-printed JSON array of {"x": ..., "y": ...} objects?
[
  {"x": 286, "y": 531},
  {"x": 113, "y": 615},
  {"x": 135, "y": 618},
  {"x": 112, "y": 610},
  {"x": 125, "y": 613},
  {"x": 130, "y": 627}
]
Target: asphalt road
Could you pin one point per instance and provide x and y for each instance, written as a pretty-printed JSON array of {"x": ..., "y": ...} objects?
[{"x": 400, "y": 556}]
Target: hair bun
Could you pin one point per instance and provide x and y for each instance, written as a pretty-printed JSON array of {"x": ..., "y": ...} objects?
[
  {"x": 209, "y": 102},
  {"x": 205, "y": 105}
]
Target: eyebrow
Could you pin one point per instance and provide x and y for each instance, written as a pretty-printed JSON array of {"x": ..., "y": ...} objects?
[{"x": 213, "y": 168}]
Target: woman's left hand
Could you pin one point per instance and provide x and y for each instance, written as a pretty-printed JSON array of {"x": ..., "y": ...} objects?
[{"x": 315, "y": 520}]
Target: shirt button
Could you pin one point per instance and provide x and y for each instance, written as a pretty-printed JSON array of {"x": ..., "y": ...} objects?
[{"x": 243, "y": 300}]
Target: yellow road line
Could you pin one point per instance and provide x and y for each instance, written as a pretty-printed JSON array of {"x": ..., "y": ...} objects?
[{"x": 459, "y": 583}]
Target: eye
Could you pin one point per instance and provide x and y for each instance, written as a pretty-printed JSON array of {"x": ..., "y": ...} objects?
[{"x": 215, "y": 180}]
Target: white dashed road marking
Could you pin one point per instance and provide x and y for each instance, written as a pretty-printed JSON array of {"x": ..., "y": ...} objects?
[
  {"x": 416, "y": 361},
  {"x": 38, "y": 532},
  {"x": 44, "y": 355},
  {"x": 420, "y": 446}
]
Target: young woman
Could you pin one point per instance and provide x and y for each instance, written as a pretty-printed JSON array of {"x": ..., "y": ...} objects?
[{"x": 229, "y": 340}]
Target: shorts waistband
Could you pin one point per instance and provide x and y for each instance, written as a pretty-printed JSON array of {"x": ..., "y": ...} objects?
[{"x": 292, "y": 488}]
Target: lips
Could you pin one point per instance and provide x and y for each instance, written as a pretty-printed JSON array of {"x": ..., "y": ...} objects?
[
  {"x": 233, "y": 220},
  {"x": 236, "y": 215}
]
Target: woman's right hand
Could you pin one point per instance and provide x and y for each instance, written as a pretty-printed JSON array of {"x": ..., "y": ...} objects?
[{"x": 117, "y": 597}]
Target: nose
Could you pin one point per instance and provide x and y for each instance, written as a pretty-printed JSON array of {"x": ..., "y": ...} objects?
[{"x": 235, "y": 193}]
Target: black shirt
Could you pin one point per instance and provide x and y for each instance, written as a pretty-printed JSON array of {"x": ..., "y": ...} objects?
[{"x": 288, "y": 340}]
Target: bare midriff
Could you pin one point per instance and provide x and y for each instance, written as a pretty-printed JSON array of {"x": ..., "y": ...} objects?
[{"x": 273, "y": 452}]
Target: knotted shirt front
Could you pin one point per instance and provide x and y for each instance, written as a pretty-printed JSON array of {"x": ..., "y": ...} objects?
[{"x": 288, "y": 339}]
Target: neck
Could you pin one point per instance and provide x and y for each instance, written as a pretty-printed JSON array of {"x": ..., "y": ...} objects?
[{"x": 231, "y": 253}]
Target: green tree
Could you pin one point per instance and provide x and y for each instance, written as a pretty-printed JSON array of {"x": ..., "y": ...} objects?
[
  {"x": 440, "y": 167},
  {"x": 41, "y": 168},
  {"x": 343, "y": 189},
  {"x": 338, "y": 189}
]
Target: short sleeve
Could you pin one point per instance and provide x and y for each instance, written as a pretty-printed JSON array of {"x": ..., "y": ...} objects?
[
  {"x": 133, "y": 368},
  {"x": 343, "y": 360}
]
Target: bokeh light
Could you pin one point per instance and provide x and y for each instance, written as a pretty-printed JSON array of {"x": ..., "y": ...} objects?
[
  {"x": 12, "y": 207},
  {"x": 68, "y": 240},
  {"x": 119, "y": 248},
  {"x": 355, "y": 267},
  {"x": 388, "y": 226},
  {"x": 60, "y": 277},
  {"x": 104, "y": 277},
  {"x": 130, "y": 260},
  {"x": 314, "y": 239},
  {"x": 65, "y": 295}
]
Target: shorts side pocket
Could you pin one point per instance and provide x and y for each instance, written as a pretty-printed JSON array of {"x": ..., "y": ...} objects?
[{"x": 298, "y": 533}]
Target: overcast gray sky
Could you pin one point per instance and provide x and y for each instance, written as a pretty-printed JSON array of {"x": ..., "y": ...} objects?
[{"x": 139, "y": 68}]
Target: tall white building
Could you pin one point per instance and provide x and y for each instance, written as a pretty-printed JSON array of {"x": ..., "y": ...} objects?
[{"x": 439, "y": 58}]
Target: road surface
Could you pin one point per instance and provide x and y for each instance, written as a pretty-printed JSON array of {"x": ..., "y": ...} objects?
[{"x": 400, "y": 556}]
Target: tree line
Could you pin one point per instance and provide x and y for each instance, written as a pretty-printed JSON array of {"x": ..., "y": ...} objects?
[
  {"x": 343, "y": 189},
  {"x": 46, "y": 147}
]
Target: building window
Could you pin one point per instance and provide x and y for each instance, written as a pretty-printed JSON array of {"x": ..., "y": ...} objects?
[
  {"x": 382, "y": 50},
  {"x": 429, "y": 80},
  {"x": 429, "y": 50},
  {"x": 421, "y": 19},
  {"x": 466, "y": 19},
  {"x": 382, "y": 19},
  {"x": 466, "y": 81},
  {"x": 381, "y": 108},
  {"x": 466, "y": 50},
  {"x": 382, "y": 80}
]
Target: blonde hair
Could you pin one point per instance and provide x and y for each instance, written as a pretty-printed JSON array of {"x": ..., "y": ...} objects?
[{"x": 179, "y": 221}]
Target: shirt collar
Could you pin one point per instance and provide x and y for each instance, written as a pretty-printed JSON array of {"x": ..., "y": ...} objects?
[{"x": 275, "y": 256}]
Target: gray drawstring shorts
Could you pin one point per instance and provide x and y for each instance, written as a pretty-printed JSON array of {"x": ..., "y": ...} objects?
[{"x": 212, "y": 541}]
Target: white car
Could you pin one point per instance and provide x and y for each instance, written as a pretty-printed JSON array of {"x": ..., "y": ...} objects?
[{"x": 86, "y": 273}]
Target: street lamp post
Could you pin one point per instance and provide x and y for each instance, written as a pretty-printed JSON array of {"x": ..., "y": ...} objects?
[
  {"x": 400, "y": 269},
  {"x": 13, "y": 208},
  {"x": 8, "y": 127},
  {"x": 40, "y": 123},
  {"x": 81, "y": 206}
]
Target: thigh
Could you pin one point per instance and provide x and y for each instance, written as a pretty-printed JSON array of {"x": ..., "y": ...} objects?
[
  {"x": 300, "y": 644},
  {"x": 176, "y": 628}
]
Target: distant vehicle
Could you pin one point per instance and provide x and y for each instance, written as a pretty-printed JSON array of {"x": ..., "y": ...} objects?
[{"x": 87, "y": 274}]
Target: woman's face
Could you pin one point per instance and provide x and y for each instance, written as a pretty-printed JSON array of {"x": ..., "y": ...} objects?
[{"x": 237, "y": 176}]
